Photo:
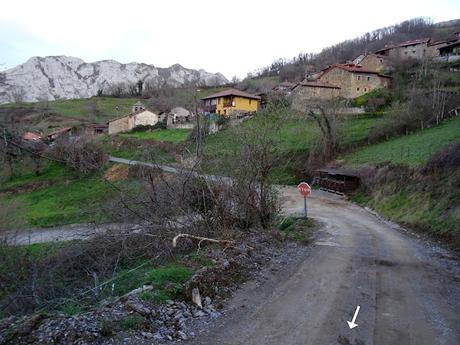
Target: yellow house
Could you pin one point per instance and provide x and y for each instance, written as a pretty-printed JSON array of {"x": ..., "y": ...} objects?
[{"x": 230, "y": 102}]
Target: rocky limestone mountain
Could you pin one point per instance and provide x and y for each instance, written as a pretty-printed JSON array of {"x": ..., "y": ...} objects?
[{"x": 63, "y": 77}]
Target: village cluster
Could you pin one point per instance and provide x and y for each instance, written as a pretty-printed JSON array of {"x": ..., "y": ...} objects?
[{"x": 348, "y": 80}]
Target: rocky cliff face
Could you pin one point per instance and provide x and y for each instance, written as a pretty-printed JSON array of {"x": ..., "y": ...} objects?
[{"x": 62, "y": 77}]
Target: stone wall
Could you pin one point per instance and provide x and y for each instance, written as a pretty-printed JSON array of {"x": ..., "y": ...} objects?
[
  {"x": 119, "y": 125},
  {"x": 302, "y": 94},
  {"x": 127, "y": 123},
  {"x": 418, "y": 51},
  {"x": 145, "y": 118},
  {"x": 354, "y": 84},
  {"x": 362, "y": 83},
  {"x": 374, "y": 63}
]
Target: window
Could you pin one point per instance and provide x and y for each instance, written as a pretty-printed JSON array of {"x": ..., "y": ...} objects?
[
  {"x": 358, "y": 77},
  {"x": 368, "y": 78},
  {"x": 413, "y": 52},
  {"x": 250, "y": 101},
  {"x": 357, "y": 89},
  {"x": 365, "y": 89}
]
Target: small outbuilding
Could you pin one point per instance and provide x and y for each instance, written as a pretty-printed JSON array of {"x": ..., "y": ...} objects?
[
  {"x": 338, "y": 181},
  {"x": 179, "y": 117}
]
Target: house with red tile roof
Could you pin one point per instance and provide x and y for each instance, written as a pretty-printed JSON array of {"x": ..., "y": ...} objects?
[
  {"x": 339, "y": 80},
  {"x": 354, "y": 80},
  {"x": 414, "y": 49}
]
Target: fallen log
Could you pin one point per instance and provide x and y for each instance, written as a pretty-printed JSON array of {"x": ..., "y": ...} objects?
[{"x": 201, "y": 239}]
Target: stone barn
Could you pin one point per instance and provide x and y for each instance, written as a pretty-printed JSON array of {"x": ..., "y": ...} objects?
[
  {"x": 310, "y": 90},
  {"x": 139, "y": 117}
]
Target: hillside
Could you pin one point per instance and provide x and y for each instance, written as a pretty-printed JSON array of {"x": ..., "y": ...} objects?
[
  {"x": 414, "y": 149},
  {"x": 62, "y": 77},
  {"x": 46, "y": 115},
  {"x": 296, "y": 67}
]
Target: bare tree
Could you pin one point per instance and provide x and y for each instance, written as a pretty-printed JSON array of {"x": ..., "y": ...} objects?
[
  {"x": 324, "y": 113},
  {"x": 10, "y": 151},
  {"x": 83, "y": 154}
]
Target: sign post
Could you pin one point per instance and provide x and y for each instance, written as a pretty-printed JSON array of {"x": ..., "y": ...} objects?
[{"x": 304, "y": 190}]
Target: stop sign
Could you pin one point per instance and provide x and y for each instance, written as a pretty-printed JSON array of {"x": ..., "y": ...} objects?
[{"x": 304, "y": 189}]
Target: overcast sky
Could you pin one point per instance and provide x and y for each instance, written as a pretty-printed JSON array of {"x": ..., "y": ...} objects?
[{"x": 232, "y": 37}]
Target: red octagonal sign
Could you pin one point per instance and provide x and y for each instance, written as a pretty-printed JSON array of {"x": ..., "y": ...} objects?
[{"x": 304, "y": 189}]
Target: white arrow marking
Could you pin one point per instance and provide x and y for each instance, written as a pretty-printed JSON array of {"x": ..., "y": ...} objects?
[{"x": 352, "y": 324}]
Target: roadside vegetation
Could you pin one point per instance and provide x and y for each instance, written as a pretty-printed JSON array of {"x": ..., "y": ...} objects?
[
  {"x": 413, "y": 149},
  {"x": 424, "y": 197},
  {"x": 296, "y": 136},
  {"x": 169, "y": 135}
]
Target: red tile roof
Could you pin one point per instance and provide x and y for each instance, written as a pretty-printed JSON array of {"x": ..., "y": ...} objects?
[
  {"x": 405, "y": 44},
  {"x": 31, "y": 136},
  {"x": 353, "y": 69},
  {"x": 450, "y": 45},
  {"x": 322, "y": 84},
  {"x": 59, "y": 131},
  {"x": 231, "y": 92}
]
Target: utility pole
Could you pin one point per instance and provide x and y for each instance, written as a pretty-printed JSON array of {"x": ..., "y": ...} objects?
[{"x": 198, "y": 125}]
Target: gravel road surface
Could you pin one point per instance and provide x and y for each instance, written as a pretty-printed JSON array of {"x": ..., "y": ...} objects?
[{"x": 408, "y": 291}]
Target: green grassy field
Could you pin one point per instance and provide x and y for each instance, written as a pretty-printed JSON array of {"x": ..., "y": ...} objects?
[
  {"x": 62, "y": 198},
  {"x": 296, "y": 137},
  {"x": 97, "y": 109},
  {"x": 94, "y": 109},
  {"x": 169, "y": 135},
  {"x": 413, "y": 149}
]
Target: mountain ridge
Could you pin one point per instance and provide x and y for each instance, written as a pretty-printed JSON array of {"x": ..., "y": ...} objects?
[{"x": 67, "y": 77}]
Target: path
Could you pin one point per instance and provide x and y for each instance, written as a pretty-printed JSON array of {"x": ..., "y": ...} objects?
[{"x": 409, "y": 292}]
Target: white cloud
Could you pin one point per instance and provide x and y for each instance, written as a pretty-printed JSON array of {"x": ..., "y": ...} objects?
[{"x": 233, "y": 37}]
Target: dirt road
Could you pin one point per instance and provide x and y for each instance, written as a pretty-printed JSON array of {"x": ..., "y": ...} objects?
[{"x": 408, "y": 291}]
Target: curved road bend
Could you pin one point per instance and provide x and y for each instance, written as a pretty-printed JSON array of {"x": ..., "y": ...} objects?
[{"x": 409, "y": 292}]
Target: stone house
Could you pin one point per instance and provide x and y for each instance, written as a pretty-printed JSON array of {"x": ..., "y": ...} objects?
[
  {"x": 140, "y": 116},
  {"x": 450, "y": 52},
  {"x": 179, "y": 117},
  {"x": 354, "y": 80},
  {"x": 374, "y": 62},
  {"x": 415, "y": 49},
  {"x": 339, "y": 80},
  {"x": 284, "y": 87},
  {"x": 309, "y": 90}
]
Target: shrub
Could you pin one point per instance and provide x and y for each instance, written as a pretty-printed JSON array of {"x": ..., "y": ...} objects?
[
  {"x": 81, "y": 154},
  {"x": 107, "y": 329},
  {"x": 145, "y": 128},
  {"x": 133, "y": 322},
  {"x": 444, "y": 161}
]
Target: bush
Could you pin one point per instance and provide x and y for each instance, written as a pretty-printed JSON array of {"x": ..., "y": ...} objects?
[
  {"x": 374, "y": 101},
  {"x": 81, "y": 154},
  {"x": 145, "y": 128},
  {"x": 133, "y": 322},
  {"x": 444, "y": 161}
]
